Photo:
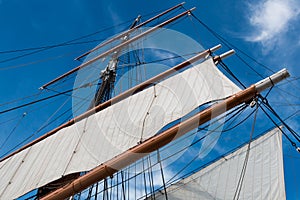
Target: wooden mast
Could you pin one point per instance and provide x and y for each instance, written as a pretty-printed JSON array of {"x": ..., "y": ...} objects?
[
  {"x": 130, "y": 156},
  {"x": 118, "y": 47}
]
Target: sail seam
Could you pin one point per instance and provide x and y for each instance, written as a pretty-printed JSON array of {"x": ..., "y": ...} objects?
[
  {"x": 79, "y": 140},
  {"x": 16, "y": 171},
  {"x": 148, "y": 113}
]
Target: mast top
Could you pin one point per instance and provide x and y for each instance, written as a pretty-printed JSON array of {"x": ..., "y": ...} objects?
[
  {"x": 120, "y": 46},
  {"x": 130, "y": 30}
]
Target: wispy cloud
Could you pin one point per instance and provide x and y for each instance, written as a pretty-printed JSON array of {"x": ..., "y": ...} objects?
[
  {"x": 271, "y": 19},
  {"x": 115, "y": 17}
]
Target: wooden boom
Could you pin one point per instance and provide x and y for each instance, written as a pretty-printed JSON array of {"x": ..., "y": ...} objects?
[{"x": 130, "y": 156}]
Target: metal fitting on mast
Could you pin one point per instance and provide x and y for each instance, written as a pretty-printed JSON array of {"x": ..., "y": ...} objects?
[{"x": 271, "y": 80}]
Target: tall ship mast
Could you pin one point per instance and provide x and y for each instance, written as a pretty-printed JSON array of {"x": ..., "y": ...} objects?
[{"x": 149, "y": 106}]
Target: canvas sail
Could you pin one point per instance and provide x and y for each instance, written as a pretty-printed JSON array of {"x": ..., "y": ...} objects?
[
  {"x": 264, "y": 177},
  {"x": 100, "y": 137}
]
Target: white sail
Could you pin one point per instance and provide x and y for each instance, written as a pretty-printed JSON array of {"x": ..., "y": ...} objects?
[
  {"x": 100, "y": 137},
  {"x": 264, "y": 177}
]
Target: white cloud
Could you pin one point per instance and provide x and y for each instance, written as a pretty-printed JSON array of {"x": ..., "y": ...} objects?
[
  {"x": 157, "y": 176},
  {"x": 271, "y": 19}
]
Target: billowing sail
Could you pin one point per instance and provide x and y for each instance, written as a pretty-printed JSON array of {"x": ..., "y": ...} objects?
[
  {"x": 264, "y": 177},
  {"x": 100, "y": 137}
]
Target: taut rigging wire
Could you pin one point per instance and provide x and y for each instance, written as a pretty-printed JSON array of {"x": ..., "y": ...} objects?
[
  {"x": 40, "y": 49},
  {"x": 13, "y": 130},
  {"x": 33, "y": 102},
  {"x": 20, "y": 99},
  {"x": 294, "y": 133},
  {"x": 43, "y": 127},
  {"x": 65, "y": 92},
  {"x": 193, "y": 144},
  {"x": 269, "y": 107},
  {"x": 10, "y": 119},
  {"x": 265, "y": 103},
  {"x": 140, "y": 174},
  {"x": 227, "y": 69},
  {"x": 162, "y": 175},
  {"x": 43, "y": 99},
  {"x": 230, "y": 45},
  {"x": 69, "y": 95},
  {"x": 243, "y": 172},
  {"x": 66, "y": 43},
  {"x": 287, "y": 137},
  {"x": 50, "y": 46},
  {"x": 149, "y": 167},
  {"x": 241, "y": 108}
]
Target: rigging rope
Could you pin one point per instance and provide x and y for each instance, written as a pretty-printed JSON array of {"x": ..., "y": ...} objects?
[
  {"x": 227, "y": 69},
  {"x": 13, "y": 130},
  {"x": 46, "y": 125},
  {"x": 150, "y": 174},
  {"x": 123, "y": 187},
  {"x": 141, "y": 174},
  {"x": 69, "y": 95},
  {"x": 269, "y": 107},
  {"x": 43, "y": 99},
  {"x": 243, "y": 172},
  {"x": 133, "y": 64},
  {"x": 287, "y": 137},
  {"x": 162, "y": 175},
  {"x": 20, "y": 99},
  {"x": 33, "y": 102},
  {"x": 230, "y": 45},
  {"x": 40, "y": 49},
  {"x": 144, "y": 176},
  {"x": 196, "y": 142},
  {"x": 66, "y": 43},
  {"x": 50, "y": 46}
]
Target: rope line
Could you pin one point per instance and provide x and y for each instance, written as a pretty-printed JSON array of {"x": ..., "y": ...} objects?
[
  {"x": 231, "y": 73},
  {"x": 13, "y": 130},
  {"x": 230, "y": 45},
  {"x": 269, "y": 107},
  {"x": 244, "y": 168}
]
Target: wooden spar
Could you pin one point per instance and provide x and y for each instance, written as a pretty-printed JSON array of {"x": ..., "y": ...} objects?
[
  {"x": 129, "y": 31},
  {"x": 120, "y": 97},
  {"x": 130, "y": 156},
  {"x": 118, "y": 47}
]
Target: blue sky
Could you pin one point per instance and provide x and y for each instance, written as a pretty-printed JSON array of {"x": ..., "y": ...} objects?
[{"x": 267, "y": 30}]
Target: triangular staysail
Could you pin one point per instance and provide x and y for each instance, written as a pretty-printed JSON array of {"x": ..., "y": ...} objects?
[{"x": 264, "y": 177}]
